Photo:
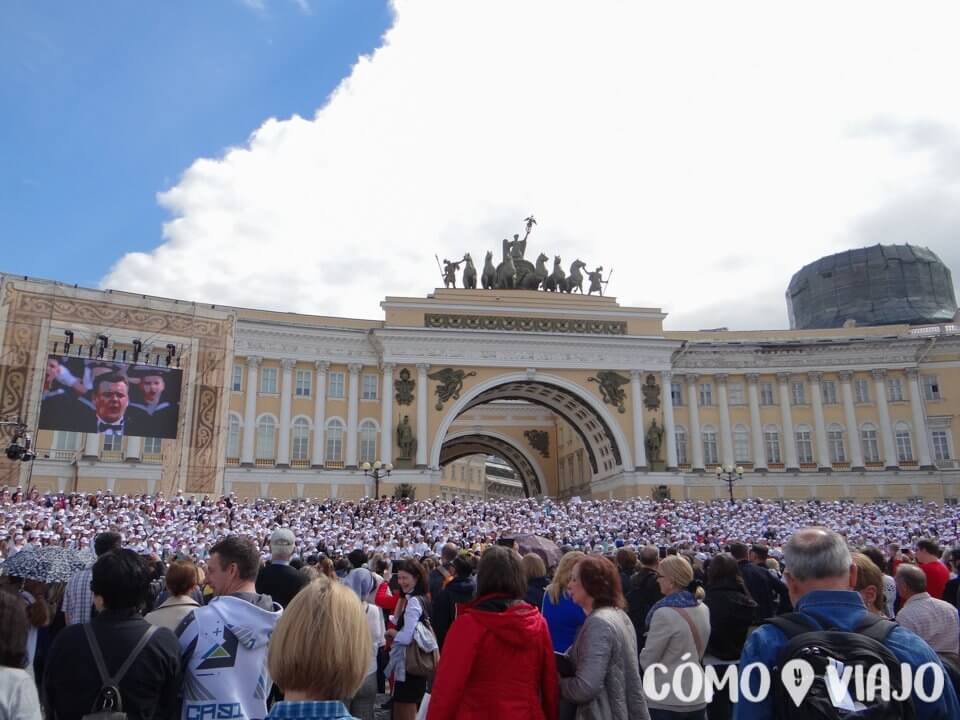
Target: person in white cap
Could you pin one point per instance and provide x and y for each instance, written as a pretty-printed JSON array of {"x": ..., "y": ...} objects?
[{"x": 278, "y": 579}]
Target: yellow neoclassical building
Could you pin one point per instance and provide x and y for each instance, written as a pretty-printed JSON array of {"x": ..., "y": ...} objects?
[{"x": 572, "y": 394}]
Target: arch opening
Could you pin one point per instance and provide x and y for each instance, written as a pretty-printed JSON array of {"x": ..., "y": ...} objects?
[{"x": 465, "y": 444}]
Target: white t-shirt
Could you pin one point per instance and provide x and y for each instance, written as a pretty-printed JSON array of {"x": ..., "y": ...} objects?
[
  {"x": 377, "y": 632},
  {"x": 18, "y": 695}
]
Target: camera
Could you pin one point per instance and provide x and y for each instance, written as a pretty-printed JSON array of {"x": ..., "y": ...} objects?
[{"x": 20, "y": 448}]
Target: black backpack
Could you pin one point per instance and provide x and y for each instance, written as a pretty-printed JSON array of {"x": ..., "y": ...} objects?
[
  {"x": 807, "y": 640},
  {"x": 109, "y": 702}
]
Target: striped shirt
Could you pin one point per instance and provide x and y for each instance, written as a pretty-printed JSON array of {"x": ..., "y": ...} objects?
[
  {"x": 934, "y": 620},
  {"x": 310, "y": 710},
  {"x": 78, "y": 597}
]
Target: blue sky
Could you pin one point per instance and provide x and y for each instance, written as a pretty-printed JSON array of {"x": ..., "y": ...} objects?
[{"x": 105, "y": 104}]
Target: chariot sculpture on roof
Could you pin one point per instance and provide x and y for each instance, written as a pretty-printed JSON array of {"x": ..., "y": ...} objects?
[{"x": 515, "y": 272}]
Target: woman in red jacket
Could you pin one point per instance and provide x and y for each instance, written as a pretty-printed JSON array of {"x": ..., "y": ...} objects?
[{"x": 497, "y": 660}]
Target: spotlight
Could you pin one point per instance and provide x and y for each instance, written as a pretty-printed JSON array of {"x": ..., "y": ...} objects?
[
  {"x": 171, "y": 351},
  {"x": 68, "y": 334},
  {"x": 101, "y": 345},
  {"x": 137, "y": 347}
]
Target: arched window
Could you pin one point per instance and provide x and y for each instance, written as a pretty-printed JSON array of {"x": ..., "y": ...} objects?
[
  {"x": 904, "y": 443},
  {"x": 233, "y": 437},
  {"x": 710, "y": 456},
  {"x": 741, "y": 444},
  {"x": 771, "y": 443},
  {"x": 300, "y": 445},
  {"x": 334, "y": 441},
  {"x": 681, "y": 438},
  {"x": 868, "y": 439},
  {"x": 804, "y": 444},
  {"x": 838, "y": 453},
  {"x": 266, "y": 438},
  {"x": 368, "y": 441}
]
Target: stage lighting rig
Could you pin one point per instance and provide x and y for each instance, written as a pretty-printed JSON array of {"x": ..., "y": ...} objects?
[{"x": 21, "y": 447}]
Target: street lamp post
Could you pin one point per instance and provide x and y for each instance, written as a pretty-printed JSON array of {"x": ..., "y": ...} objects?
[
  {"x": 376, "y": 471},
  {"x": 729, "y": 475}
]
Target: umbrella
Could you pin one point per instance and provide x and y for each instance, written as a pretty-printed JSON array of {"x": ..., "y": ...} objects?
[
  {"x": 50, "y": 564},
  {"x": 548, "y": 550}
]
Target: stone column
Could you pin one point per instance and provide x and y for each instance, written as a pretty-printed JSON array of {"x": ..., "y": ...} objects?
[
  {"x": 694, "y": 438},
  {"x": 920, "y": 441},
  {"x": 789, "y": 437},
  {"x": 639, "y": 438},
  {"x": 886, "y": 430},
  {"x": 850, "y": 417},
  {"x": 247, "y": 456},
  {"x": 286, "y": 398},
  {"x": 91, "y": 446},
  {"x": 386, "y": 419},
  {"x": 422, "y": 411},
  {"x": 726, "y": 435},
  {"x": 756, "y": 425},
  {"x": 819, "y": 426},
  {"x": 320, "y": 413},
  {"x": 353, "y": 411},
  {"x": 669, "y": 426},
  {"x": 132, "y": 451}
]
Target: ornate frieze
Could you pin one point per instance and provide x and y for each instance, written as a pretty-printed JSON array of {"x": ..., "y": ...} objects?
[
  {"x": 524, "y": 324},
  {"x": 539, "y": 440}
]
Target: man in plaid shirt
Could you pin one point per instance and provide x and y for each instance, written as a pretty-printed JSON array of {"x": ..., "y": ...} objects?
[
  {"x": 78, "y": 597},
  {"x": 936, "y": 621}
]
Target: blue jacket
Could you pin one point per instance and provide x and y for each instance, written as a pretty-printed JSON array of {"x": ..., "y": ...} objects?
[
  {"x": 563, "y": 619},
  {"x": 843, "y": 610}
]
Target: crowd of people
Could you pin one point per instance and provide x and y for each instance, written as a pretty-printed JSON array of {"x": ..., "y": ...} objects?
[{"x": 230, "y": 609}]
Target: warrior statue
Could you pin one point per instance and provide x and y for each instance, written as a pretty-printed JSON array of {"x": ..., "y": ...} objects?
[
  {"x": 596, "y": 281},
  {"x": 450, "y": 273},
  {"x": 405, "y": 439}
]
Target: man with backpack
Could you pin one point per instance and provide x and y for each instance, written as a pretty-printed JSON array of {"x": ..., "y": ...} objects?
[{"x": 831, "y": 625}]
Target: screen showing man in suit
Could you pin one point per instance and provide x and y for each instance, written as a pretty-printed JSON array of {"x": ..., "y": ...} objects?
[{"x": 110, "y": 398}]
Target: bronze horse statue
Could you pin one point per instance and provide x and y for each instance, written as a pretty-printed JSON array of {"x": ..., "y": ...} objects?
[
  {"x": 489, "y": 277},
  {"x": 470, "y": 273},
  {"x": 575, "y": 281},
  {"x": 532, "y": 281},
  {"x": 557, "y": 280},
  {"x": 508, "y": 274}
]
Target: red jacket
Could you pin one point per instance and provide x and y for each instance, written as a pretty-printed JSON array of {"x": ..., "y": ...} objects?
[{"x": 497, "y": 662}]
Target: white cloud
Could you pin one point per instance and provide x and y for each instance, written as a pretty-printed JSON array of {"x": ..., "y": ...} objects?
[{"x": 705, "y": 151}]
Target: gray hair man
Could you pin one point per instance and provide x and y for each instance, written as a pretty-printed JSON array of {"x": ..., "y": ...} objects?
[
  {"x": 936, "y": 621},
  {"x": 278, "y": 579},
  {"x": 819, "y": 576}
]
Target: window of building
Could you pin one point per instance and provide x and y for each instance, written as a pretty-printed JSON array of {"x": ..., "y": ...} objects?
[
  {"x": 931, "y": 387},
  {"x": 268, "y": 381},
  {"x": 894, "y": 390},
  {"x": 112, "y": 443},
  {"x": 904, "y": 443},
  {"x": 735, "y": 394},
  {"x": 710, "y": 455},
  {"x": 70, "y": 441},
  {"x": 871, "y": 447},
  {"x": 233, "y": 437},
  {"x": 336, "y": 386},
  {"x": 676, "y": 394},
  {"x": 706, "y": 394},
  {"x": 804, "y": 444},
  {"x": 368, "y": 443},
  {"x": 300, "y": 439},
  {"x": 151, "y": 445},
  {"x": 766, "y": 394},
  {"x": 335, "y": 439},
  {"x": 266, "y": 438},
  {"x": 681, "y": 439},
  {"x": 368, "y": 387},
  {"x": 941, "y": 445},
  {"x": 828, "y": 388},
  {"x": 303, "y": 384},
  {"x": 861, "y": 391},
  {"x": 798, "y": 393},
  {"x": 237, "y": 384},
  {"x": 741, "y": 444},
  {"x": 838, "y": 453},
  {"x": 771, "y": 441}
]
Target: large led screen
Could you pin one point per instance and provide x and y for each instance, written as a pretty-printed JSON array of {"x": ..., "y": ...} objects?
[{"x": 110, "y": 398}]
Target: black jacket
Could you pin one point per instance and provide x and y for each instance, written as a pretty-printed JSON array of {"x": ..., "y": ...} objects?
[
  {"x": 731, "y": 615},
  {"x": 642, "y": 595},
  {"x": 770, "y": 594},
  {"x": 280, "y": 582},
  {"x": 951, "y": 592},
  {"x": 459, "y": 590},
  {"x": 535, "y": 589},
  {"x": 148, "y": 690}
]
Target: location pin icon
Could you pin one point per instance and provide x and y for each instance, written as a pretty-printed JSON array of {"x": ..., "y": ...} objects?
[{"x": 797, "y": 677}]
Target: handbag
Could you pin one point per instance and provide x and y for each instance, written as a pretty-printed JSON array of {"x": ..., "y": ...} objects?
[
  {"x": 109, "y": 703},
  {"x": 418, "y": 661}
]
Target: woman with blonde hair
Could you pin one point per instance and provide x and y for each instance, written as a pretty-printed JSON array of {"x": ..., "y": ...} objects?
[
  {"x": 870, "y": 584},
  {"x": 319, "y": 652},
  {"x": 678, "y": 632},
  {"x": 564, "y": 617}
]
